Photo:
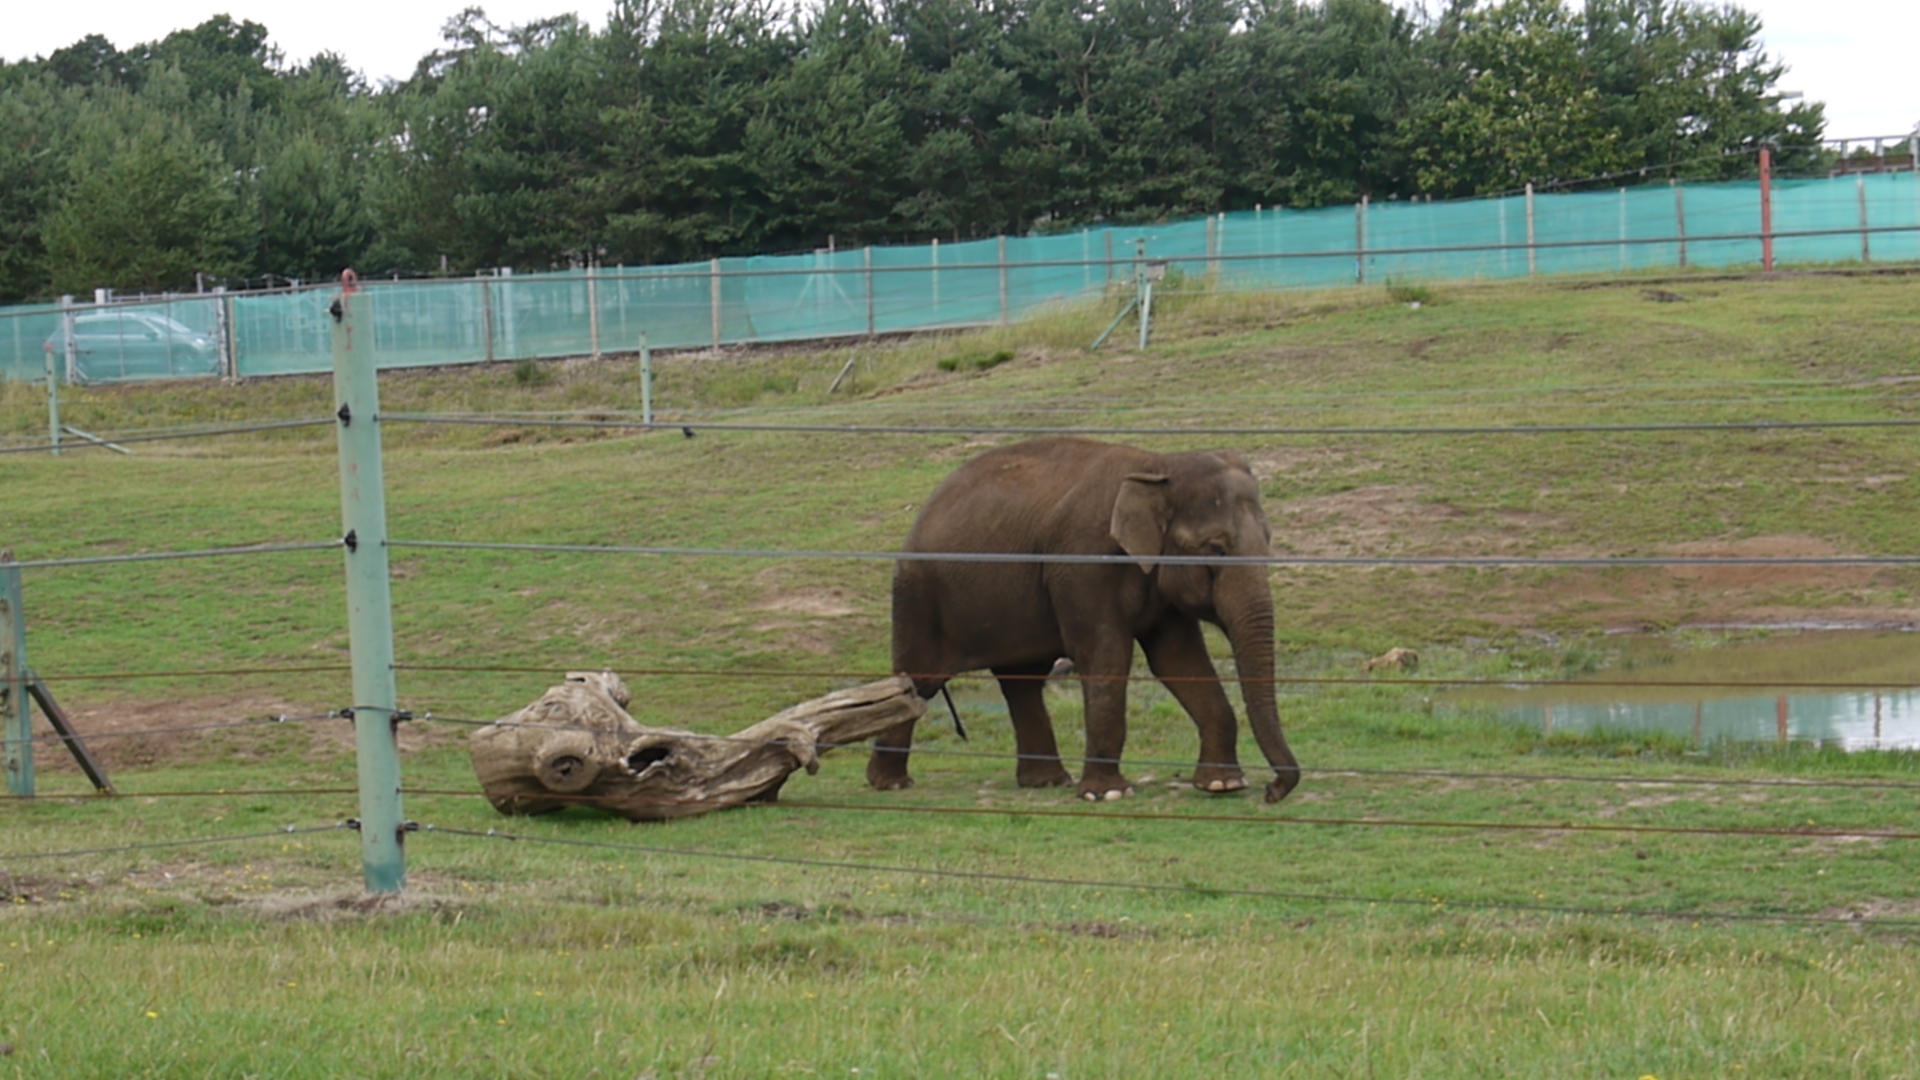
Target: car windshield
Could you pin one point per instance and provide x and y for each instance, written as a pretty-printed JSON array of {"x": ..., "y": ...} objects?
[{"x": 131, "y": 324}]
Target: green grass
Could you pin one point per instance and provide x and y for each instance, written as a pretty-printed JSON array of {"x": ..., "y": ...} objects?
[{"x": 1293, "y": 944}]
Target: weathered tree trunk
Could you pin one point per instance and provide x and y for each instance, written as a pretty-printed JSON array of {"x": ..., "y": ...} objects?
[{"x": 577, "y": 746}]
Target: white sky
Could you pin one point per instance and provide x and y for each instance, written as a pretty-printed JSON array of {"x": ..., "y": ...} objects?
[{"x": 1855, "y": 55}]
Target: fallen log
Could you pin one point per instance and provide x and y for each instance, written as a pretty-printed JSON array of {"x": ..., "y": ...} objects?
[{"x": 578, "y": 746}]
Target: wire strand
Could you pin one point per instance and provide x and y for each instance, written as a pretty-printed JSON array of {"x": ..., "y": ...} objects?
[
  {"x": 1182, "y": 432},
  {"x": 1217, "y": 819},
  {"x": 1435, "y": 903},
  {"x": 1027, "y": 558},
  {"x": 290, "y": 830},
  {"x": 184, "y": 433},
  {"x": 185, "y": 673},
  {"x": 162, "y": 556},
  {"x": 1324, "y": 770},
  {"x": 1281, "y": 679},
  {"x": 217, "y": 793},
  {"x": 224, "y": 725}
]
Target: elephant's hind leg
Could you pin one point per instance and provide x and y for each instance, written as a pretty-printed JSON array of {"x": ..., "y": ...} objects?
[{"x": 1024, "y": 686}]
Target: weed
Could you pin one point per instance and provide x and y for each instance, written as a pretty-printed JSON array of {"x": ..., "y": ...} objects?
[
  {"x": 530, "y": 372},
  {"x": 1412, "y": 293}
]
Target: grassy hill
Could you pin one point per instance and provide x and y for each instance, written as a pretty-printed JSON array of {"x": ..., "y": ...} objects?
[{"x": 1210, "y": 934}]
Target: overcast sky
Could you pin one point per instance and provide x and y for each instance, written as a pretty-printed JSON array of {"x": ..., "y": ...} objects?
[{"x": 1855, "y": 55}]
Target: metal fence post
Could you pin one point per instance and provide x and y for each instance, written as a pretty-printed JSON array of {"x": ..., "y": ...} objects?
[
  {"x": 713, "y": 297},
  {"x": 934, "y": 259},
  {"x": 1680, "y": 219},
  {"x": 229, "y": 334},
  {"x": 1623, "y": 228},
  {"x": 72, "y": 346},
  {"x": 1143, "y": 281},
  {"x": 53, "y": 407},
  {"x": 593, "y": 310},
  {"x": 1532, "y": 252},
  {"x": 1360, "y": 241},
  {"x": 646, "y": 381},
  {"x": 866, "y": 262},
  {"x": 1005, "y": 306},
  {"x": 363, "y": 512},
  {"x": 1766, "y": 208},
  {"x": 486, "y": 317},
  {"x": 1108, "y": 233},
  {"x": 13, "y": 681},
  {"x": 509, "y": 323},
  {"x": 1860, "y": 185}
]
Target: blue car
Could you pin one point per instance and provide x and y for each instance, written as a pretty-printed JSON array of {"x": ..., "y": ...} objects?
[{"x": 113, "y": 345}]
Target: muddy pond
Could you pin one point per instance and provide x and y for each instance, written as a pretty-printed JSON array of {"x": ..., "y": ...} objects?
[{"x": 1867, "y": 697}]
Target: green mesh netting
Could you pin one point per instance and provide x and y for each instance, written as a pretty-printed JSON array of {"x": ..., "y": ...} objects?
[{"x": 883, "y": 289}]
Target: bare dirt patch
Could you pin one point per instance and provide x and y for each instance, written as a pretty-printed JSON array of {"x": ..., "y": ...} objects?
[
  {"x": 334, "y": 905},
  {"x": 817, "y": 603},
  {"x": 242, "y": 727},
  {"x": 1764, "y": 547},
  {"x": 1393, "y": 519}
]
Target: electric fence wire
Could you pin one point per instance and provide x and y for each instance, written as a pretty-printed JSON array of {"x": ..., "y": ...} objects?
[
  {"x": 168, "y": 556},
  {"x": 180, "y": 729},
  {"x": 1809, "y": 832},
  {"x": 1198, "y": 405},
  {"x": 1198, "y": 891},
  {"x": 1324, "y": 770},
  {"x": 156, "y": 845},
  {"x": 163, "y": 436},
  {"x": 1175, "y": 560},
  {"x": 1337, "y": 431},
  {"x": 1137, "y": 677},
  {"x": 187, "y": 673},
  {"x": 214, "y": 793}
]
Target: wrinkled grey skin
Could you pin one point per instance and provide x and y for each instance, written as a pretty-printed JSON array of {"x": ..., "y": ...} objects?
[{"x": 1077, "y": 496}]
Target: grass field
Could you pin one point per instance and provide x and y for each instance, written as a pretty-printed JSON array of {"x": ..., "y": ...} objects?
[{"x": 1447, "y": 895}]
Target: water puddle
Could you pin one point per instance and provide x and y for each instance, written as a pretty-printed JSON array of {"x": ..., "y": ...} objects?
[{"x": 1870, "y": 700}]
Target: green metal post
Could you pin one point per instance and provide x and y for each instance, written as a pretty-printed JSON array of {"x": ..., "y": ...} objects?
[
  {"x": 363, "y": 512},
  {"x": 1143, "y": 280},
  {"x": 53, "y": 406},
  {"x": 13, "y": 681},
  {"x": 646, "y": 381}
]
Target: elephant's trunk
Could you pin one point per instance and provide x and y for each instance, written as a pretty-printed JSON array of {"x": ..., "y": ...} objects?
[{"x": 1245, "y": 606}]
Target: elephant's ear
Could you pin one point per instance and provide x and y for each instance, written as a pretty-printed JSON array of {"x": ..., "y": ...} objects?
[{"x": 1140, "y": 515}]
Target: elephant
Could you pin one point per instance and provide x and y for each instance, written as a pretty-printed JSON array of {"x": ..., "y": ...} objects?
[{"x": 1075, "y": 496}]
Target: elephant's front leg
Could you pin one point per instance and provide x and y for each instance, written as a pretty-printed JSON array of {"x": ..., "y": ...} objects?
[
  {"x": 1104, "y": 668},
  {"x": 887, "y": 767},
  {"x": 1024, "y": 687},
  {"x": 1177, "y": 652}
]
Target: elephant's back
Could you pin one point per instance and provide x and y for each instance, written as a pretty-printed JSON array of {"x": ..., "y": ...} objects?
[{"x": 1010, "y": 498}]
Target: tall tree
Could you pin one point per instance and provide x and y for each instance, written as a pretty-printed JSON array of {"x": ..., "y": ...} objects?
[{"x": 145, "y": 211}]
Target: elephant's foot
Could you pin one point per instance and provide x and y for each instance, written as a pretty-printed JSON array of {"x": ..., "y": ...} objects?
[
  {"x": 887, "y": 774},
  {"x": 1219, "y": 779},
  {"x": 1046, "y": 772},
  {"x": 1105, "y": 788}
]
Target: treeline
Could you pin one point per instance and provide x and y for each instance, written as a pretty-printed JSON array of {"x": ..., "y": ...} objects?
[{"x": 692, "y": 128}]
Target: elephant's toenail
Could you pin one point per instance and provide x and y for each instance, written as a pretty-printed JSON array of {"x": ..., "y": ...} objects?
[
  {"x": 1114, "y": 794},
  {"x": 1217, "y": 785}
]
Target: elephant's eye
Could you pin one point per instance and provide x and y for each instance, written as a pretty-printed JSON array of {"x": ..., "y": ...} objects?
[{"x": 1215, "y": 547}]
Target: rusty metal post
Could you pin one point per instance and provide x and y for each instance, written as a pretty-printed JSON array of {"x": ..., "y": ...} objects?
[{"x": 1766, "y": 208}]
